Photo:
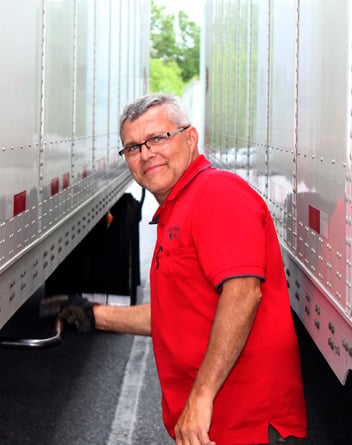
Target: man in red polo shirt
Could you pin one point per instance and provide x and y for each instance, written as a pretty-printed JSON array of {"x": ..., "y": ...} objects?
[{"x": 223, "y": 336}]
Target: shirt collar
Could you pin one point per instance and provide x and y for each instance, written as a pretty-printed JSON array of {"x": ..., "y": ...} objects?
[{"x": 197, "y": 166}]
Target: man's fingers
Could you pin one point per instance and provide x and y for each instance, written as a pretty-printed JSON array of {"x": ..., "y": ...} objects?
[
  {"x": 201, "y": 439},
  {"x": 204, "y": 440}
]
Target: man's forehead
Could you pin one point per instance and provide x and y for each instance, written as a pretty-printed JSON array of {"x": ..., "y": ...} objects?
[{"x": 153, "y": 113}]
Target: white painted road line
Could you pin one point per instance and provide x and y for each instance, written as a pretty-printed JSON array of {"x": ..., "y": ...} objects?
[{"x": 126, "y": 410}]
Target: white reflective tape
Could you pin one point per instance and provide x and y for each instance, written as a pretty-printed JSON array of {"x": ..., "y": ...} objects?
[{"x": 8, "y": 207}]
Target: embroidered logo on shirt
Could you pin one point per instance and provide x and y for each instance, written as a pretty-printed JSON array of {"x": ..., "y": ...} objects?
[{"x": 173, "y": 232}]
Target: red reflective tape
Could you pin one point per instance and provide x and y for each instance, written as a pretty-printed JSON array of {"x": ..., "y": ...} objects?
[
  {"x": 314, "y": 219},
  {"x": 65, "y": 181},
  {"x": 54, "y": 186},
  {"x": 19, "y": 203}
]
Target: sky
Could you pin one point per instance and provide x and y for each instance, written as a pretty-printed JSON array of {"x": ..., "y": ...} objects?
[{"x": 193, "y": 8}]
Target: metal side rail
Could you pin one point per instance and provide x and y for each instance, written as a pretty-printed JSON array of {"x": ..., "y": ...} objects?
[{"x": 36, "y": 343}]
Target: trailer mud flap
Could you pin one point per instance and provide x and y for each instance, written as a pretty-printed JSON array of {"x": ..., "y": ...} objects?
[{"x": 107, "y": 260}]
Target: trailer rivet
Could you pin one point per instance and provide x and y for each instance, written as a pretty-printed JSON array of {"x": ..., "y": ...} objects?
[{"x": 331, "y": 327}]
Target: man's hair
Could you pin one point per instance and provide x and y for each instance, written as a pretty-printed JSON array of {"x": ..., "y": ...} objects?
[{"x": 171, "y": 104}]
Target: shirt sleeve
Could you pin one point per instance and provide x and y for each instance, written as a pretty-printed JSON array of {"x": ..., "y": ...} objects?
[{"x": 229, "y": 229}]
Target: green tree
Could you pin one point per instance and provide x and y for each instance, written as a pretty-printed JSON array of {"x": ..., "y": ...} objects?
[
  {"x": 174, "y": 52},
  {"x": 189, "y": 48},
  {"x": 162, "y": 34}
]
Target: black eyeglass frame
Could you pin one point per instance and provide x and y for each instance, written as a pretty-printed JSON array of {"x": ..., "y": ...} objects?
[{"x": 167, "y": 135}]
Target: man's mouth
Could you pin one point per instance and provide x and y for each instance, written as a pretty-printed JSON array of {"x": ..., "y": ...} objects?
[{"x": 153, "y": 168}]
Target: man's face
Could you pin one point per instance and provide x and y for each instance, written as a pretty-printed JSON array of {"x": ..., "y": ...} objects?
[{"x": 159, "y": 170}]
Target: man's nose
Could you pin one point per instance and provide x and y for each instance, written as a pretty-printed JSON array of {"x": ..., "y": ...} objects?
[{"x": 145, "y": 152}]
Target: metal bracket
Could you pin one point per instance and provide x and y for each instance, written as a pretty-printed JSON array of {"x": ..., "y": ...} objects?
[{"x": 36, "y": 343}]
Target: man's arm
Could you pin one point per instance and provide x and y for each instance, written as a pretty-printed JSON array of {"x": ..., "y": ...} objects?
[
  {"x": 127, "y": 320},
  {"x": 87, "y": 316},
  {"x": 234, "y": 317}
]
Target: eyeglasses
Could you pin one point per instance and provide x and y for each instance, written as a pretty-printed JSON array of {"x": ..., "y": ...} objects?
[{"x": 154, "y": 142}]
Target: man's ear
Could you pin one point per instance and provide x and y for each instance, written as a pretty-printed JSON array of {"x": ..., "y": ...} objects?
[{"x": 193, "y": 138}]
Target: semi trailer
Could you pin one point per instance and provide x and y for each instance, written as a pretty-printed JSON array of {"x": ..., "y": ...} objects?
[
  {"x": 277, "y": 79},
  {"x": 68, "y": 69}
]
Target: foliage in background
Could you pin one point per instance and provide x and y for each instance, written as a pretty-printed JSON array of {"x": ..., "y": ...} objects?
[
  {"x": 174, "y": 51},
  {"x": 165, "y": 77}
]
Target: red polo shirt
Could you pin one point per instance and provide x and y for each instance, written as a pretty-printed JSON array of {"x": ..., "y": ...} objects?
[{"x": 213, "y": 227}]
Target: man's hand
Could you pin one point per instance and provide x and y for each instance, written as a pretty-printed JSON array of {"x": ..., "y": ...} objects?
[
  {"x": 78, "y": 311},
  {"x": 193, "y": 425}
]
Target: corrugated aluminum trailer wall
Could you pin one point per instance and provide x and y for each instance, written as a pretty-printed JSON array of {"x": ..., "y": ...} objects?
[
  {"x": 68, "y": 67},
  {"x": 278, "y": 112}
]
